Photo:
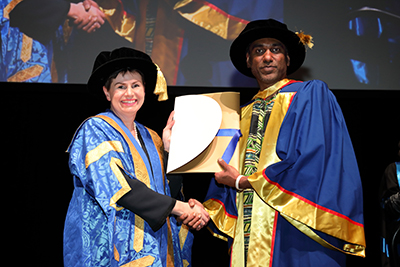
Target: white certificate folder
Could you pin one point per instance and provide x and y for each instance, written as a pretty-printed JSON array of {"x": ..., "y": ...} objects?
[{"x": 207, "y": 127}]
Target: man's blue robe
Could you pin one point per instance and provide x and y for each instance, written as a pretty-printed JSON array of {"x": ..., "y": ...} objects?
[{"x": 308, "y": 206}]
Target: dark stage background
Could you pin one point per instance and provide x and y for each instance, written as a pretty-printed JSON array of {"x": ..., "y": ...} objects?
[{"x": 40, "y": 120}]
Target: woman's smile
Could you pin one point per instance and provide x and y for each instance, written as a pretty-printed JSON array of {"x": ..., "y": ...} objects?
[{"x": 129, "y": 102}]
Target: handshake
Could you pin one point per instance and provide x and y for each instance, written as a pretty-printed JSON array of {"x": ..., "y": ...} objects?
[
  {"x": 191, "y": 213},
  {"x": 86, "y": 15}
]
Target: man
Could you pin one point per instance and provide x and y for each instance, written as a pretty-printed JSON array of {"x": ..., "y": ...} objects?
[
  {"x": 389, "y": 196},
  {"x": 297, "y": 198}
]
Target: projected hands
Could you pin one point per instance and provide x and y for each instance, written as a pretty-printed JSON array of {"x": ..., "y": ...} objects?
[{"x": 87, "y": 15}]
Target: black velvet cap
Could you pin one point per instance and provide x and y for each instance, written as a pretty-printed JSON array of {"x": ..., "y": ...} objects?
[
  {"x": 107, "y": 63},
  {"x": 268, "y": 28}
]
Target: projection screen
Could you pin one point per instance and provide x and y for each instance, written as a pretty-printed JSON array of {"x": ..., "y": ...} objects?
[{"x": 357, "y": 43}]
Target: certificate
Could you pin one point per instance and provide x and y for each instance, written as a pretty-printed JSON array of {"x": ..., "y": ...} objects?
[{"x": 207, "y": 127}]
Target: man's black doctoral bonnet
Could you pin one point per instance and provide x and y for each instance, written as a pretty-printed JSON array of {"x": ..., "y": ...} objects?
[{"x": 268, "y": 28}]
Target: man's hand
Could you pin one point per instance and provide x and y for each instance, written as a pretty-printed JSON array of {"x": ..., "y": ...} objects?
[
  {"x": 228, "y": 176},
  {"x": 191, "y": 214},
  {"x": 88, "y": 4},
  {"x": 205, "y": 216},
  {"x": 86, "y": 19}
]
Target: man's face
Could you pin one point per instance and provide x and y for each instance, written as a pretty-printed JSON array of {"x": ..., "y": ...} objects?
[{"x": 268, "y": 60}]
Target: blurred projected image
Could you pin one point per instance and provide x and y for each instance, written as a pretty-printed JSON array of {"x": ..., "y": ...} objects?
[
  {"x": 55, "y": 41},
  {"x": 380, "y": 28}
]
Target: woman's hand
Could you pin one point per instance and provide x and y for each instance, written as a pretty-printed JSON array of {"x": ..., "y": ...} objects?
[
  {"x": 192, "y": 215},
  {"x": 205, "y": 216},
  {"x": 166, "y": 136}
]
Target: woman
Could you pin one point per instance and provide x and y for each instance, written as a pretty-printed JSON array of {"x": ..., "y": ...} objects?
[{"x": 121, "y": 210}]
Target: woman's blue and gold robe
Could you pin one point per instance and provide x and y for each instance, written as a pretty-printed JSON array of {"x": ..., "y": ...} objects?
[{"x": 99, "y": 232}]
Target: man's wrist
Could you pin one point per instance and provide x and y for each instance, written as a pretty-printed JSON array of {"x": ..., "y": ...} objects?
[{"x": 237, "y": 183}]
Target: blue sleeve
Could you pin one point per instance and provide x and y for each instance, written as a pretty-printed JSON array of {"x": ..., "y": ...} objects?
[
  {"x": 317, "y": 158},
  {"x": 95, "y": 161}
]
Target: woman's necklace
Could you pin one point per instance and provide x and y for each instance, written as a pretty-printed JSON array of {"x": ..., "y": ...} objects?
[{"x": 136, "y": 134}]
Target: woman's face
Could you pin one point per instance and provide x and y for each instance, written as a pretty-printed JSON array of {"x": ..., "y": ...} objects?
[{"x": 126, "y": 94}]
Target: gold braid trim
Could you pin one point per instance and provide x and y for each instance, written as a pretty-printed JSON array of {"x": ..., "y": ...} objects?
[
  {"x": 26, "y": 74},
  {"x": 9, "y": 8}
]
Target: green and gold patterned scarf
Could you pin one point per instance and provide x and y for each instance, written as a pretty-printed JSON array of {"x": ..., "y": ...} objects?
[{"x": 259, "y": 119}]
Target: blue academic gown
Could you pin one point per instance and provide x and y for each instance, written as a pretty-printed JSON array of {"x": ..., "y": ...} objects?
[
  {"x": 99, "y": 232},
  {"x": 22, "y": 59},
  {"x": 308, "y": 204}
]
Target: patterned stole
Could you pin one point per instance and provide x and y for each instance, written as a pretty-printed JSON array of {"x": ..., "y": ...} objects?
[
  {"x": 151, "y": 15},
  {"x": 259, "y": 119}
]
